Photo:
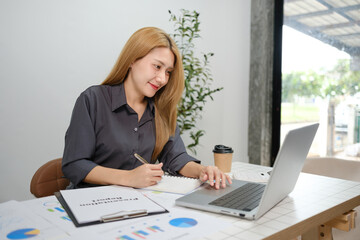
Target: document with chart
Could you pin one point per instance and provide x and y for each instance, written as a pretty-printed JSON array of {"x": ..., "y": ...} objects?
[{"x": 19, "y": 222}]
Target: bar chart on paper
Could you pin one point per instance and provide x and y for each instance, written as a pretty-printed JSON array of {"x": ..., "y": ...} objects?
[
  {"x": 55, "y": 207},
  {"x": 165, "y": 226},
  {"x": 50, "y": 209},
  {"x": 161, "y": 230},
  {"x": 144, "y": 233}
]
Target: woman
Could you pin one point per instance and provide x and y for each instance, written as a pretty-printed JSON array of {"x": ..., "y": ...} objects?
[{"x": 133, "y": 111}]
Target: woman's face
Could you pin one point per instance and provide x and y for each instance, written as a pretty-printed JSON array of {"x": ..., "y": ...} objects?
[{"x": 152, "y": 72}]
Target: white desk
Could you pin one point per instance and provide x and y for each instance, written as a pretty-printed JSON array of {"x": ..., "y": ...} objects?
[{"x": 314, "y": 201}]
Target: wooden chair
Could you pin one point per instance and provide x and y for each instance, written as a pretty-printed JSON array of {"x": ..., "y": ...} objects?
[{"x": 48, "y": 179}]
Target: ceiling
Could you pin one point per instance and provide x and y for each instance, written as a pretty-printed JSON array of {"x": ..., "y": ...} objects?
[{"x": 335, "y": 22}]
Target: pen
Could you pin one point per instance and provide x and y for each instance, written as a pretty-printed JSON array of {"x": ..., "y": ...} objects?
[{"x": 138, "y": 157}]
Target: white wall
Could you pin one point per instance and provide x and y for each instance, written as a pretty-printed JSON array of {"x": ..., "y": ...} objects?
[{"x": 50, "y": 51}]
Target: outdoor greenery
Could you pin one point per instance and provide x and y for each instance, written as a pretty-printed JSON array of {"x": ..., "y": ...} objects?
[
  {"x": 197, "y": 73},
  {"x": 291, "y": 112},
  {"x": 336, "y": 83},
  {"x": 340, "y": 81}
]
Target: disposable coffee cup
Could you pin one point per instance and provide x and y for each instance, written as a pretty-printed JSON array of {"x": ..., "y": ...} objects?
[{"x": 223, "y": 157}]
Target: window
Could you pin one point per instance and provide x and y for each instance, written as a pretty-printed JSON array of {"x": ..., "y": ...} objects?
[{"x": 321, "y": 74}]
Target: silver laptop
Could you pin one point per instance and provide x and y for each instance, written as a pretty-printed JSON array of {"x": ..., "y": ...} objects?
[{"x": 251, "y": 200}]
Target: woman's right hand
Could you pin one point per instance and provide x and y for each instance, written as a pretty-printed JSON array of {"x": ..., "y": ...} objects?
[{"x": 145, "y": 175}]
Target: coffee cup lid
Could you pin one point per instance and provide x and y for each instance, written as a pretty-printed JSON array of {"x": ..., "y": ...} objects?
[{"x": 222, "y": 149}]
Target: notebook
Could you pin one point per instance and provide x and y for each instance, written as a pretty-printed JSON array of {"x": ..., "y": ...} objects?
[
  {"x": 175, "y": 184},
  {"x": 86, "y": 206},
  {"x": 251, "y": 200}
]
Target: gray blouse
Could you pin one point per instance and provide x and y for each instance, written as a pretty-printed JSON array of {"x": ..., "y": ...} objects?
[{"x": 104, "y": 130}]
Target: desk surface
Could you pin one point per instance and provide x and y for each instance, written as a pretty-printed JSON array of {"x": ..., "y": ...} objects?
[{"x": 315, "y": 200}]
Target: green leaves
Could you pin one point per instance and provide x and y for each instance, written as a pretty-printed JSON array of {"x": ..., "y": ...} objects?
[
  {"x": 197, "y": 75},
  {"x": 339, "y": 81}
]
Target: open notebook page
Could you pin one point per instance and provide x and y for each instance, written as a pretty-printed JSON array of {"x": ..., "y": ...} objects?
[{"x": 175, "y": 184}]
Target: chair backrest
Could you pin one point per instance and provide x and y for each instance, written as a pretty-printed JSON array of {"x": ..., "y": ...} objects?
[
  {"x": 333, "y": 167},
  {"x": 48, "y": 179}
]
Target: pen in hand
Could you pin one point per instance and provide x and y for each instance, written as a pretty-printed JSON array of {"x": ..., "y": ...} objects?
[
  {"x": 155, "y": 172},
  {"x": 138, "y": 157}
]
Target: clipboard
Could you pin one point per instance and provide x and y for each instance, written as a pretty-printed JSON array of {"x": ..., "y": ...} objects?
[{"x": 116, "y": 214}]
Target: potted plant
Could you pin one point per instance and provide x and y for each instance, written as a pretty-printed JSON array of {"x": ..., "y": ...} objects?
[{"x": 197, "y": 75}]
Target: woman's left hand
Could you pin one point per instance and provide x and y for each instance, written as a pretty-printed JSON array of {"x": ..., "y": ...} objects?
[{"x": 215, "y": 177}]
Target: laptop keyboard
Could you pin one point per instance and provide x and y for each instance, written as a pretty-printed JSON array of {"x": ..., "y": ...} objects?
[{"x": 246, "y": 197}]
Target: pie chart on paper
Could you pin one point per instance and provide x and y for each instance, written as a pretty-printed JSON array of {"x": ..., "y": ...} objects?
[
  {"x": 23, "y": 233},
  {"x": 183, "y": 222}
]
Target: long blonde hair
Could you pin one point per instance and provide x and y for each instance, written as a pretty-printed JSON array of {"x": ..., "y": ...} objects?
[{"x": 168, "y": 97}]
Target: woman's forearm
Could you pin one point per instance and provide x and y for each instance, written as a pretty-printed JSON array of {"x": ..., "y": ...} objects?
[
  {"x": 107, "y": 176},
  {"x": 191, "y": 169},
  {"x": 142, "y": 176}
]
